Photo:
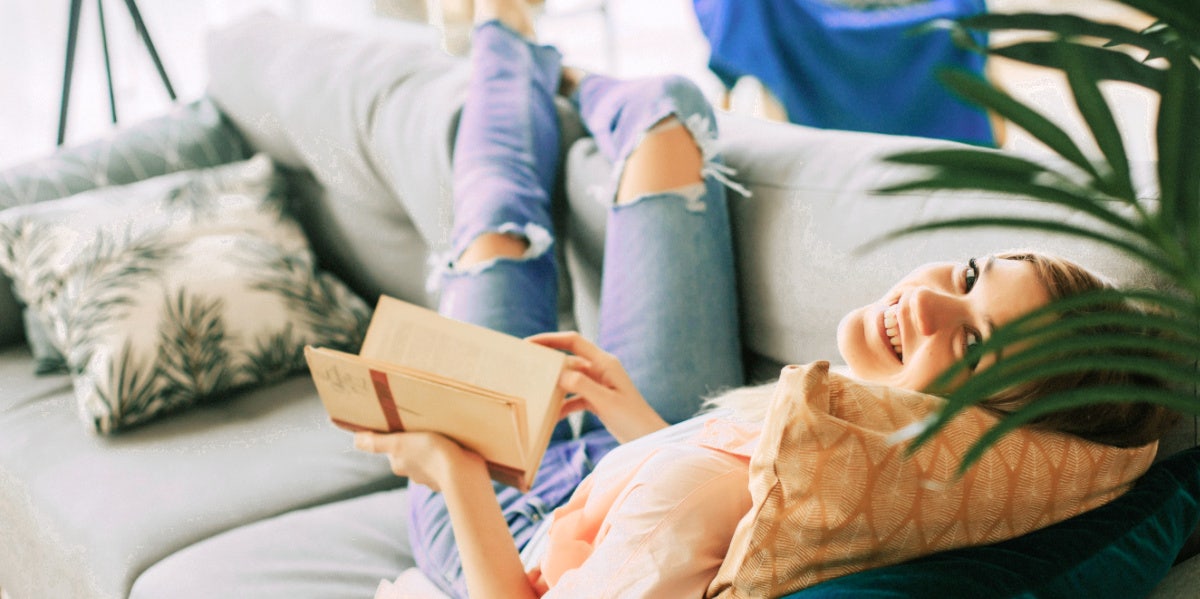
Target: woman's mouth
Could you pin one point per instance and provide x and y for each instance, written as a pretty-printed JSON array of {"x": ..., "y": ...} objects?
[{"x": 891, "y": 330}]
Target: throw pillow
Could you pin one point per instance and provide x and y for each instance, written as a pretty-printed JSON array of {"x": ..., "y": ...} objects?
[
  {"x": 1119, "y": 550},
  {"x": 175, "y": 290},
  {"x": 190, "y": 136},
  {"x": 834, "y": 492}
]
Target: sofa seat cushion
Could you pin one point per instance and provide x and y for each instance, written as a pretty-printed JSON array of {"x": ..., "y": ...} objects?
[
  {"x": 340, "y": 550},
  {"x": 94, "y": 512}
]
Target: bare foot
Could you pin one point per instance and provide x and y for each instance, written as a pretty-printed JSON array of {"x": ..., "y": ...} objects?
[{"x": 513, "y": 13}]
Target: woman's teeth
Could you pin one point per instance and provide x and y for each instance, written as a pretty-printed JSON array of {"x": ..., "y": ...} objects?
[{"x": 893, "y": 329}]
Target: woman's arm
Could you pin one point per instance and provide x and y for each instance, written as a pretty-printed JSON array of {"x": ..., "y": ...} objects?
[
  {"x": 489, "y": 557},
  {"x": 597, "y": 382}
]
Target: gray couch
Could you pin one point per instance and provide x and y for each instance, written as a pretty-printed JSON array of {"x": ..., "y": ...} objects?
[{"x": 258, "y": 495}]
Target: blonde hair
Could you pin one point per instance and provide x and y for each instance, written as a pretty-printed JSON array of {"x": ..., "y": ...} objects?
[{"x": 1128, "y": 424}]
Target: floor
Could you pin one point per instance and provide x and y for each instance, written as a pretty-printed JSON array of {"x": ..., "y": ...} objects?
[{"x": 634, "y": 37}]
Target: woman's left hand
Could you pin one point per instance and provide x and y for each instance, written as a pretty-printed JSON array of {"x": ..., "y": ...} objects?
[
  {"x": 596, "y": 381},
  {"x": 425, "y": 458}
]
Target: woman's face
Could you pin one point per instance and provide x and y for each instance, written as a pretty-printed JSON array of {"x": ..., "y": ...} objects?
[{"x": 926, "y": 322}]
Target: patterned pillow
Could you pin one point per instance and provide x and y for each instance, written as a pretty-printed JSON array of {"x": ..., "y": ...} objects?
[
  {"x": 175, "y": 290},
  {"x": 833, "y": 491}
]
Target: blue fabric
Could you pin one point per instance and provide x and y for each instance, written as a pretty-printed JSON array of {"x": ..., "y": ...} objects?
[
  {"x": 837, "y": 67},
  {"x": 1120, "y": 550}
]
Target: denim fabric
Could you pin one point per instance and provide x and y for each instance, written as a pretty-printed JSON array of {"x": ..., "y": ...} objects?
[{"x": 668, "y": 298}]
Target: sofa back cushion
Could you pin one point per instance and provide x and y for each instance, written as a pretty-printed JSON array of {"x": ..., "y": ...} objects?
[
  {"x": 191, "y": 136},
  {"x": 369, "y": 116},
  {"x": 799, "y": 238}
]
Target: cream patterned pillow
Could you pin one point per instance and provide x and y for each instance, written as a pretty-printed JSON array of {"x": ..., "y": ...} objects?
[
  {"x": 833, "y": 492},
  {"x": 175, "y": 290}
]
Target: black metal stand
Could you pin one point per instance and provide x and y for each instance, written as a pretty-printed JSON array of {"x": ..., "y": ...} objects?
[{"x": 69, "y": 67}]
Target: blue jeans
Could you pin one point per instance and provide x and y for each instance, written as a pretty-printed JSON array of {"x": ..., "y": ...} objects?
[{"x": 668, "y": 306}]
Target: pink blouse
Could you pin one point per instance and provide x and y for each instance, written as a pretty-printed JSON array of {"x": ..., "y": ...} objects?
[{"x": 656, "y": 516}]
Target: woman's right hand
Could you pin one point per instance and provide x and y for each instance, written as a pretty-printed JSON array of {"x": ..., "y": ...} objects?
[
  {"x": 424, "y": 457},
  {"x": 595, "y": 381}
]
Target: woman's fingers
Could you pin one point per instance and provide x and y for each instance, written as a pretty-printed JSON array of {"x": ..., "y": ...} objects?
[
  {"x": 603, "y": 366},
  {"x": 569, "y": 341}
]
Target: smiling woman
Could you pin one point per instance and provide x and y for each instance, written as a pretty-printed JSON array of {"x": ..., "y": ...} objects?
[{"x": 933, "y": 316}]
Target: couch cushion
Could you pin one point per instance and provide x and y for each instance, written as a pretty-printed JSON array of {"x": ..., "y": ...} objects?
[
  {"x": 191, "y": 136},
  {"x": 799, "y": 237},
  {"x": 1116, "y": 551},
  {"x": 94, "y": 512},
  {"x": 311, "y": 97},
  {"x": 835, "y": 492},
  {"x": 340, "y": 550},
  {"x": 175, "y": 290},
  {"x": 335, "y": 103}
]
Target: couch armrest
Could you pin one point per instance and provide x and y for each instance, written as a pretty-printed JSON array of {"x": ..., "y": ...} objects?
[{"x": 191, "y": 136}]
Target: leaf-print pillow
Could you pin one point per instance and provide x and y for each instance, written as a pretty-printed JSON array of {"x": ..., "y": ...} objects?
[
  {"x": 175, "y": 290},
  {"x": 833, "y": 491}
]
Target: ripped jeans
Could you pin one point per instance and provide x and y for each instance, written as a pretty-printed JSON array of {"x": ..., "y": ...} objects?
[{"x": 668, "y": 306}]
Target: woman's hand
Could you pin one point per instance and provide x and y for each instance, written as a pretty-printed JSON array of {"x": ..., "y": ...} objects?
[
  {"x": 595, "y": 381},
  {"x": 425, "y": 458},
  {"x": 489, "y": 557}
]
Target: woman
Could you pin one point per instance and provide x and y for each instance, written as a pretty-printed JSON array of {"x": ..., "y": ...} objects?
[{"x": 668, "y": 335}]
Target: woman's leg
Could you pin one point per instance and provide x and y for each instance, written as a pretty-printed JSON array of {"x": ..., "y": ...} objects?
[
  {"x": 503, "y": 273},
  {"x": 668, "y": 305}
]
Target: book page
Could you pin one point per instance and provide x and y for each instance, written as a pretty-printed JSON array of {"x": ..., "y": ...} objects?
[{"x": 421, "y": 339}]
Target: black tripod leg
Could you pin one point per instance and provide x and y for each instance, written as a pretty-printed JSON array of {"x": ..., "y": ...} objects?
[
  {"x": 69, "y": 67},
  {"x": 141, "y": 27},
  {"x": 112, "y": 98}
]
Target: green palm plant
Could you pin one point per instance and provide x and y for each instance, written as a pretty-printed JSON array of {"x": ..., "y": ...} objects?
[{"x": 1163, "y": 235}]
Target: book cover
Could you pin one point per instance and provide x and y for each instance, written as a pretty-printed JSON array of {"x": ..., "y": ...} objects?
[{"x": 420, "y": 371}]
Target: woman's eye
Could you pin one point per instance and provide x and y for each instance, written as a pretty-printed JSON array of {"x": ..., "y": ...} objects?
[
  {"x": 970, "y": 273},
  {"x": 970, "y": 340}
]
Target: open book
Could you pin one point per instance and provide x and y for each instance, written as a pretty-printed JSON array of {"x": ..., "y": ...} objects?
[{"x": 495, "y": 394}]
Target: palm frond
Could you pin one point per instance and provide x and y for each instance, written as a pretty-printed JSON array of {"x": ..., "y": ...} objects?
[
  {"x": 979, "y": 91},
  {"x": 1178, "y": 156},
  {"x": 1075, "y": 398},
  {"x": 1064, "y": 26},
  {"x": 1014, "y": 177},
  {"x": 1084, "y": 81},
  {"x": 1147, "y": 255},
  {"x": 1072, "y": 335}
]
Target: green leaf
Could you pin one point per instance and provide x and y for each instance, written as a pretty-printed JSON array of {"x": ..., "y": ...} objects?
[
  {"x": 1111, "y": 65},
  {"x": 1064, "y": 26},
  {"x": 1178, "y": 156},
  {"x": 1181, "y": 401},
  {"x": 1081, "y": 75},
  {"x": 975, "y": 89},
  {"x": 1014, "y": 183},
  {"x": 1174, "y": 318},
  {"x": 1179, "y": 14},
  {"x": 1133, "y": 250}
]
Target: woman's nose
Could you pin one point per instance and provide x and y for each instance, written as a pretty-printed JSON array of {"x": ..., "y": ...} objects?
[{"x": 933, "y": 309}]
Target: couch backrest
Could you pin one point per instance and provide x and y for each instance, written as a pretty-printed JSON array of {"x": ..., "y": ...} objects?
[{"x": 800, "y": 236}]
